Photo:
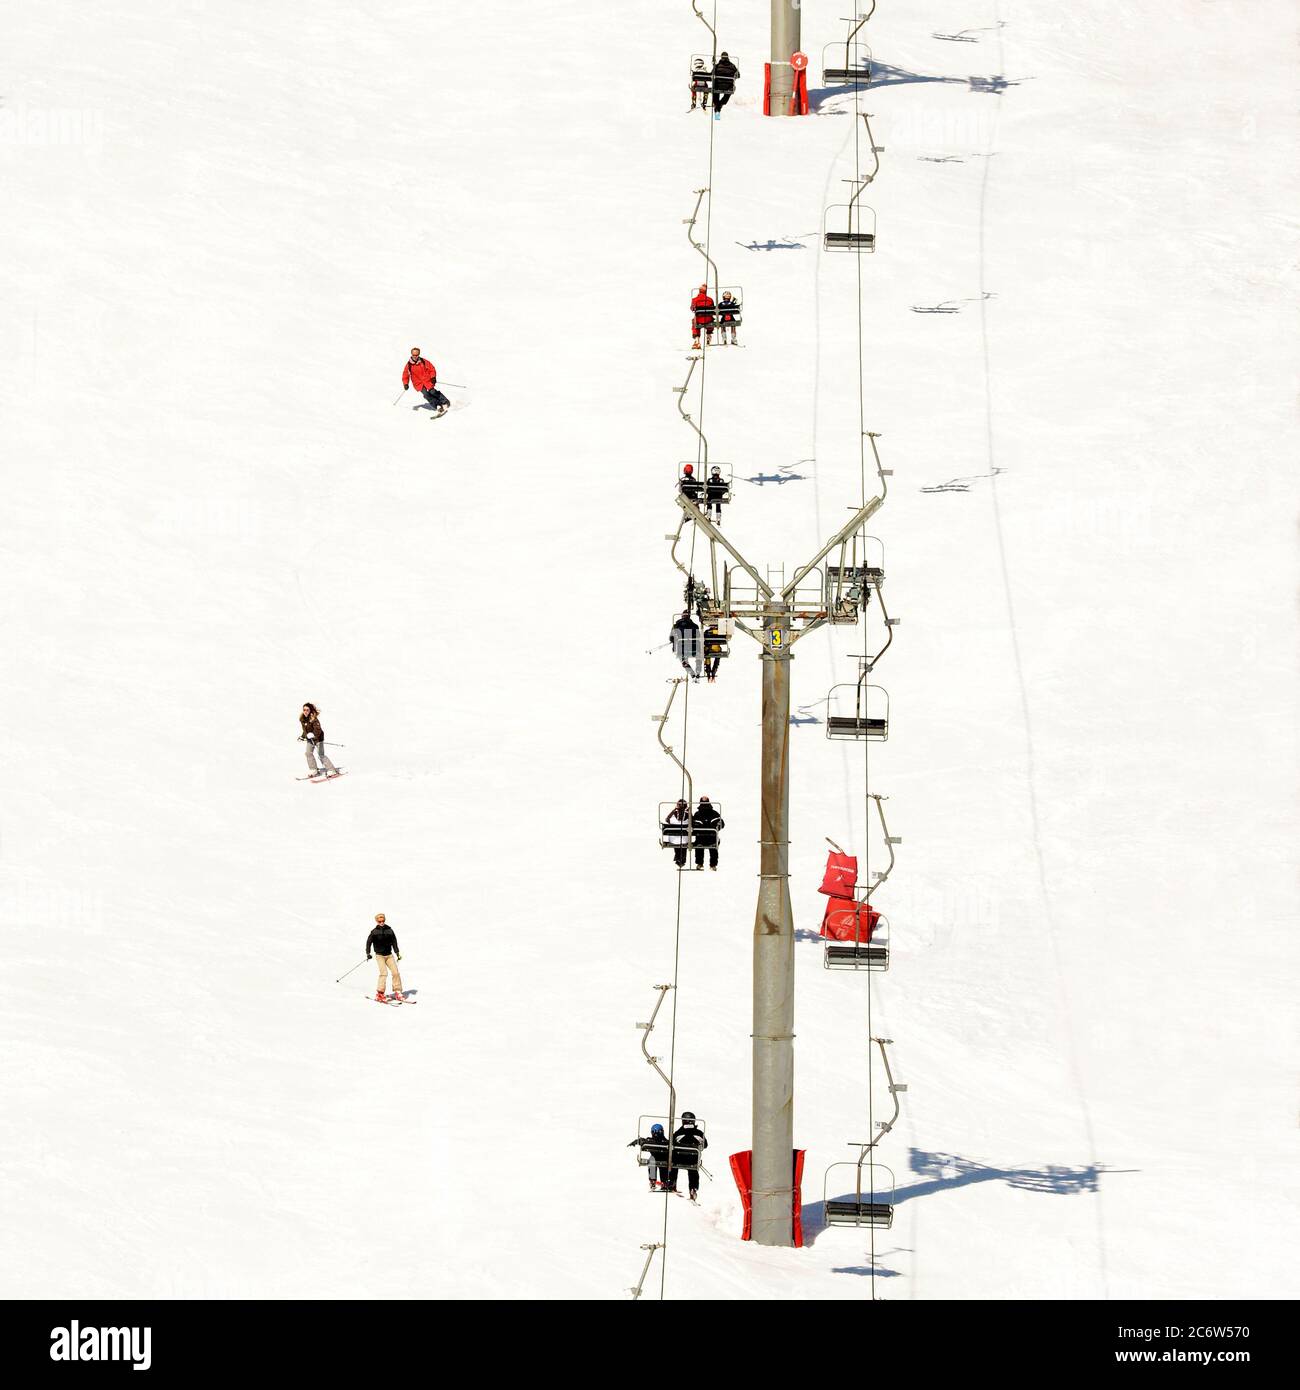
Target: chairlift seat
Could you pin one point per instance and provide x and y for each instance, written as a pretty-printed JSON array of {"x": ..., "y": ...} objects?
[
  {"x": 850, "y": 957},
  {"x": 846, "y": 726},
  {"x": 850, "y": 241},
  {"x": 842, "y": 1212},
  {"x": 832, "y": 77}
]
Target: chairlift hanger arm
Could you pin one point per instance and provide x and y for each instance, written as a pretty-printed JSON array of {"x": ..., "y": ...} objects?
[
  {"x": 889, "y": 844},
  {"x": 716, "y": 536},
  {"x": 662, "y": 721},
  {"x": 859, "y": 518},
  {"x": 685, "y": 414},
  {"x": 714, "y": 33},
  {"x": 699, "y": 245},
  {"x": 646, "y": 1029},
  {"x": 870, "y": 661}
]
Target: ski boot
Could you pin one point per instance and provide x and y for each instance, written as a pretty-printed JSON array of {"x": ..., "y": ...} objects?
[{"x": 380, "y": 997}]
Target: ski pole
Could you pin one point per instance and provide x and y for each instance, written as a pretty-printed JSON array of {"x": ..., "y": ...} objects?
[
  {"x": 398, "y": 397},
  {"x": 357, "y": 966},
  {"x": 460, "y": 386},
  {"x": 336, "y": 745}
]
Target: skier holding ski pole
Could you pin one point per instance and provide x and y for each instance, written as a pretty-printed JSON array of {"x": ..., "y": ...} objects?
[
  {"x": 423, "y": 375},
  {"x": 383, "y": 941}
]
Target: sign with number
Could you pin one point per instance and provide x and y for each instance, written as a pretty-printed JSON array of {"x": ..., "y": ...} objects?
[{"x": 799, "y": 61}]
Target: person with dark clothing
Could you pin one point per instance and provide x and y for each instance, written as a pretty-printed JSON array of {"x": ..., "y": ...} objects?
[
  {"x": 715, "y": 648},
  {"x": 676, "y": 831},
  {"x": 702, "y": 307},
  {"x": 707, "y": 824},
  {"x": 383, "y": 942},
  {"x": 685, "y": 639},
  {"x": 685, "y": 1154},
  {"x": 715, "y": 494},
  {"x": 728, "y": 317},
  {"x": 314, "y": 737},
  {"x": 691, "y": 487},
  {"x": 725, "y": 73},
  {"x": 655, "y": 1148},
  {"x": 423, "y": 376},
  {"x": 701, "y": 83}
]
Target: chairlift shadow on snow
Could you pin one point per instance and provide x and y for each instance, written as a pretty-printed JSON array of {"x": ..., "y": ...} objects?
[
  {"x": 786, "y": 243},
  {"x": 884, "y": 75},
  {"x": 943, "y": 1171}
]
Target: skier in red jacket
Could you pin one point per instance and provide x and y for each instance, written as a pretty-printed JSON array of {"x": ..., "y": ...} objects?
[
  {"x": 424, "y": 377},
  {"x": 702, "y": 308}
]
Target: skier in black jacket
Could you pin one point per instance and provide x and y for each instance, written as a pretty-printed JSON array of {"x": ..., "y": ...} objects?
[
  {"x": 691, "y": 487},
  {"x": 707, "y": 824},
  {"x": 655, "y": 1148},
  {"x": 383, "y": 941},
  {"x": 725, "y": 73},
  {"x": 687, "y": 1149},
  {"x": 715, "y": 494},
  {"x": 685, "y": 637}
]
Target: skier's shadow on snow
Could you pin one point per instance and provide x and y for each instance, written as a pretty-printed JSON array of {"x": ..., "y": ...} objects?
[
  {"x": 884, "y": 75},
  {"x": 940, "y": 1172}
]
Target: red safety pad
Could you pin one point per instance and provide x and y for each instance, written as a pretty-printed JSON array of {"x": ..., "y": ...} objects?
[
  {"x": 799, "y": 98},
  {"x": 841, "y": 876},
  {"x": 846, "y": 920},
  {"x": 767, "y": 111},
  {"x": 742, "y": 1170}
]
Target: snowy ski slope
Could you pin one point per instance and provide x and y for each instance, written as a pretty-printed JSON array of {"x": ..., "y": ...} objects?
[{"x": 227, "y": 225}]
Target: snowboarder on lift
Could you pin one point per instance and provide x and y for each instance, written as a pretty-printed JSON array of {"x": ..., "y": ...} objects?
[
  {"x": 676, "y": 831},
  {"x": 383, "y": 942},
  {"x": 314, "y": 737},
  {"x": 715, "y": 494},
  {"x": 423, "y": 376},
  {"x": 701, "y": 84},
  {"x": 728, "y": 316},
  {"x": 691, "y": 487},
  {"x": 655, "y": 1148},
  {"x": 725, "y": 73},
  {"x": 702, "y": 307},
  {"x": 685, "y": 639},
  {"x": 689, "y": 1139},
  {"x": 707, "y": 824}
]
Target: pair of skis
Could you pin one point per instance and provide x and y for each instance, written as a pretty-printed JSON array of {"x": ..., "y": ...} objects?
[
  {"x": 394, "y": 1002},
  {"x": 322, "y": 776}
]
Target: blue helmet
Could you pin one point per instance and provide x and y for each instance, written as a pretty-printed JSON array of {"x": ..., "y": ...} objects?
[{"x": 656, "y": 1129}]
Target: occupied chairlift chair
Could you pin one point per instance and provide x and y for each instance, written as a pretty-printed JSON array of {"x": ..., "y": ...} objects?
[
  {"x": 684, "y": 1160},
  {"x": 871, "y": 1201},
  {"x": 700, "y": 473},
  {"x": 735, "y": 313},
  {"x": 685, "y": 834},
  {"x": 849, "y": 583}
]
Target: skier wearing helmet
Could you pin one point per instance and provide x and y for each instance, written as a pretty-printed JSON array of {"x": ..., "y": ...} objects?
[
  {"x": 675, "y": 832},
  {"x": 423, "y": 375},
  {"x": 701, "y": 83},
  {"x": 685, "y": 639},
  {"x": 728, "y": 316},
  {"x": 685, "y": 1154},
  {"x": 702, "y": 308},
  {"x": 691, "y": 487},
  {"x": 715, "y": 494},
  {"x": 655, "y": 1148}
]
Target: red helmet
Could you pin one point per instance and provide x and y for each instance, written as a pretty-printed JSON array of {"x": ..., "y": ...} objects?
[{"x": 689, "y": 468}]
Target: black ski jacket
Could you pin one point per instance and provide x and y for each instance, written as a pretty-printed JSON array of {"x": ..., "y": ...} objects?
[
  {"x": 655, "y": 1147},
  {"x": 687, "y": 1145},
  {"x": 692, "y": 488},
  {"x": 382, "y": 941},
  {"x": 724, "y": 75},
  {"x": 707, "y": 824},
  {"x": 686, "y": 637}
]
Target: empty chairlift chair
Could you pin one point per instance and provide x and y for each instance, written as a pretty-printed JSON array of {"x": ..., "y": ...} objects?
[
  {"x": 846, "y": 65},
  {"x": 869, "y": 1201},
  {"x": 858, "y": 711},
  {"x": 849, "y": 227}
]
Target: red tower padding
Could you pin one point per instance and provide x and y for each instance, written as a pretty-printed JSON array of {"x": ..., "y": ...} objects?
[
  {"x": 742, "y": 1171},
  {"x": 799, "y": 97},
  {"x": 846, "y": 920},
  {"x": 841, "y": 876},
  {"x": 767, "y": 111}
]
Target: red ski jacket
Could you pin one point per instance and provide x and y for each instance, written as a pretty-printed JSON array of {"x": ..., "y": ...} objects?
[
  {"x": 420, "y": 374},
  {"x": 703, "y": 307}
]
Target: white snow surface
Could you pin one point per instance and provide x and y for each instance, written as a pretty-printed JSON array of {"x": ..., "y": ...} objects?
[{"x": 226, "y": 226}]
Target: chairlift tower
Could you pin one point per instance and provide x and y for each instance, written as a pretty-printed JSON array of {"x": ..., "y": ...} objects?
[
  {"x": 785, "y": 43},
  {"x": 768, "y": 614}
]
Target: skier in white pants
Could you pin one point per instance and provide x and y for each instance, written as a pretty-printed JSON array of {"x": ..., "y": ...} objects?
[{"x": 314, "y": 737}]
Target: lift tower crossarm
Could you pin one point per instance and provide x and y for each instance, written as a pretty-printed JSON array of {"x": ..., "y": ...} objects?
[
  {"x": 712, "y": 532},
  {"x": 858, "y": 519}
]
